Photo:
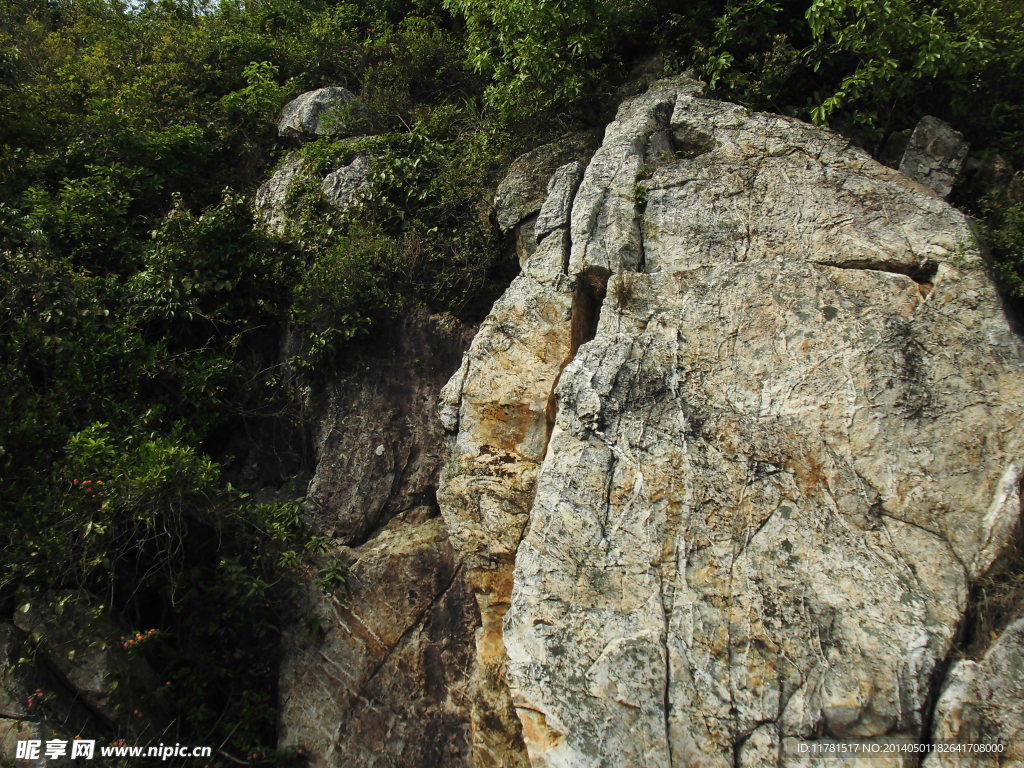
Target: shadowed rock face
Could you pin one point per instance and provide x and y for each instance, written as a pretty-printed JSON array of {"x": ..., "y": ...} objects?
[
  {"x": 378, "y": 674},
  {"x": 729, "y": 453},
  {"x": 524, "y": 188}
]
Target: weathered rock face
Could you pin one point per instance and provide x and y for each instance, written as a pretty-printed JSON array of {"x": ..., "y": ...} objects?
[
  {"x": 379, "y": 443},
  {"x": 749, "y": 424},
  {"x": 498, "y": 402},
  {"x": 524, "y": 188},
  {"x": 376, "y": 675},
  {"x": 316, "y": 113},
  {"x": 340, "y": 189}
]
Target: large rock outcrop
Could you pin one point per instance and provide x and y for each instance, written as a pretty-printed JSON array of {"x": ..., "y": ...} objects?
[
  {"x": 729, "y": 453},
  {"x": 498, "y": 404}
]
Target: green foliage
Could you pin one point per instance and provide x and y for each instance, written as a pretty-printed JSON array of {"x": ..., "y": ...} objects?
[
  {"x": 333, "y": 577},
  {"x": 748, "y": 53},
  {"x": 410, "y": 64},
  {"x": 348, "y": 286},
  {"x": 125, "y": 493},
  {"x": 544, "y": 54},
  {"x": 421, "y": 234},
  {"x": 141, "y": 310},
  {"x": 135, "y": 294},
  {"x": 1003, "y": 231},
  {"x": 878, "y": 64},
  {"x": 213, "y": 269},
  {"x": 886, "y": 51}
]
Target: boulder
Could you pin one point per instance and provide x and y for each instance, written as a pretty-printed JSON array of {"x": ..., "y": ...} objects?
[
  {"x": 341, "y": 188},
  {"x": 934, "y": 155},
  {"x": 729, "y": 454},
  {"x": 316, "y": 113}
]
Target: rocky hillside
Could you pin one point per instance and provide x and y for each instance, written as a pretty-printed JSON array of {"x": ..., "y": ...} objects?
[
  {"x": 450, "y": 383},
  {"x": 732, "y": 468}
]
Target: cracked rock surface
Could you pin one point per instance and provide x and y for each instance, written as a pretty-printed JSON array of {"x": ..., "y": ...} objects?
[
  {"x": 375, "y": 676},
  {"x": 748, "y": 427}
]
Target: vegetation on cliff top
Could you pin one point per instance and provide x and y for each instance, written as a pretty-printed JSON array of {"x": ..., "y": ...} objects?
[{"x": 142, "y": 313}]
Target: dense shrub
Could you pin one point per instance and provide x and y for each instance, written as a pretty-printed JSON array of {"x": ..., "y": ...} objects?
[
  {"x": 548, "y": 53},
  {"x": 1003, "y": 232}
]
